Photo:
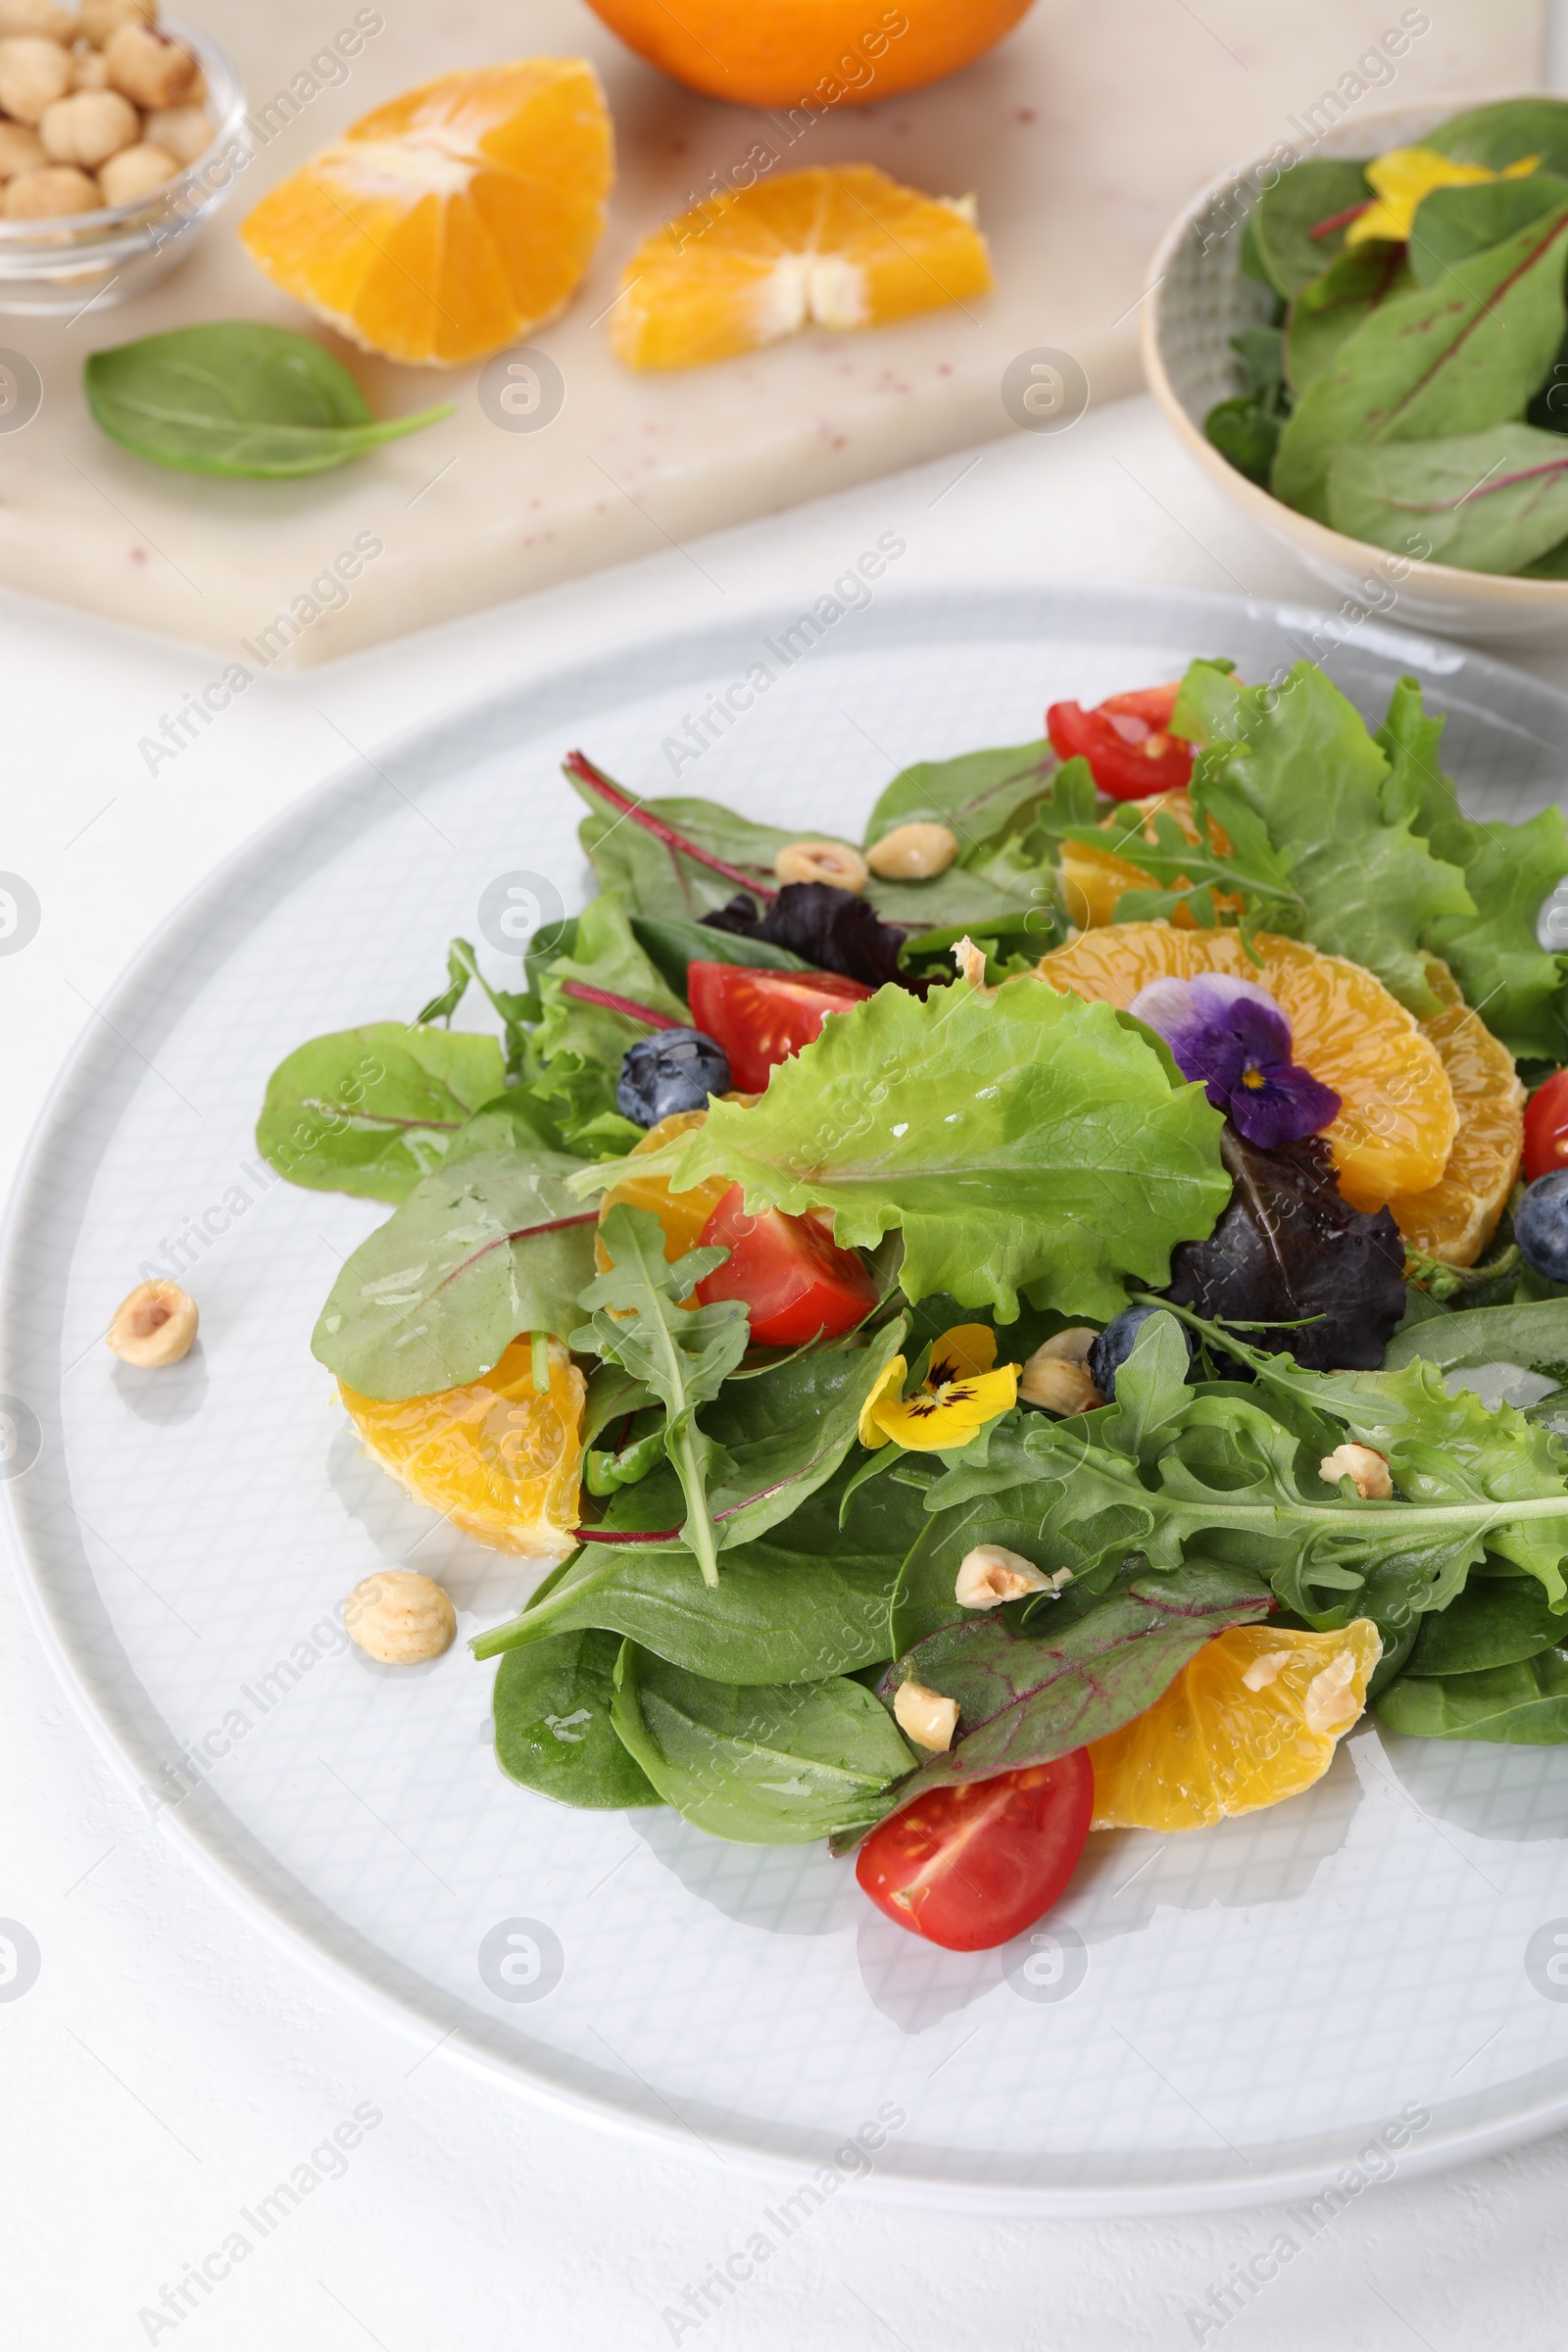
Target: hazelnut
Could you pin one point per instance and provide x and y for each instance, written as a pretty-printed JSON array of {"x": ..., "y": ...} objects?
[
  {"x": 157, "y": 1323},
  {"x": 914, "y": 852},
  {"x": 136, "y": 171},
  {"x": 1069, "y": 1347},
  {"x": 400, "y": 1617},
  {"x": 51, "y": 193},
  {"x": 1366, "y": 1470},
  {"x": 821, "y": 861},
  {"x": 101, "y": 19},
  {"x": 925, "y": 1716},
  {"x": 33, "y": 74},
  {"x": 972, "y": 964},
  {"x": 21, "y": 150},
  {"x": 88, "y": 69},
  {"x": 88, "y": 129},
  {"x": 1331, "y": 1705},
  {"x": 991, "y": 1573},
  {"x": 1056, "y": 1386},
  {"x": 183, "y": 132},
  {"x": 44, "y": 18},
  {"x": 148, "y": 65}
]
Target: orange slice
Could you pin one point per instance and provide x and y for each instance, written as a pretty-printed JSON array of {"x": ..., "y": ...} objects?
[
  {"x": 1253, "y": 1719},
  {"x": 1399, "y": 1119},
  {"x": 681, "y": 1214},
  {"x": 501, "y": 1461},
  {"x": 1093, "y": 879},
  {"x": 452, "y": 220},
  {"x": 1456, "y": 1218},
  {"x": 841, "y": 247}
]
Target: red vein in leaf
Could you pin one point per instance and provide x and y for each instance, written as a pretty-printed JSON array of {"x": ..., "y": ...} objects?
[
  {"x": 1353, "y": 212},
  {"x": 576, "y": 763},
  {"x": 613, "y": 1004},
  {"x": 1483, "y": 310},
  {"x": 522, "y": 1233}
]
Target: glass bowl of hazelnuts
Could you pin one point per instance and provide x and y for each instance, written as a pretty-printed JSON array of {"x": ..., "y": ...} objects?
[{"x": 119, "y": 134}]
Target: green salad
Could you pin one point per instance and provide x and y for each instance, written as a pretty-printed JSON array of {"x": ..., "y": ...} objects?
[{"x": 1025, "y": 1322}]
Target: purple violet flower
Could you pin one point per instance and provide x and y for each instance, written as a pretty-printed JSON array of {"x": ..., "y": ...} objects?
[{"x": 1232, "y": 1037}]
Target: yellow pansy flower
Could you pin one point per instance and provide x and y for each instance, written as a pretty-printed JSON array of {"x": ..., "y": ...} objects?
[
  {"x": 960, "y": 1393},
  {"x": 1405, "y": 175}
]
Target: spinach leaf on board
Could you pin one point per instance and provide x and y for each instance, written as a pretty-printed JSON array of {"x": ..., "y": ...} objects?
[
  {"x": 1492, "y": 501},
  {"x": 236, "y": 397},
  {"x": 1505, "y": 133},
  {"x": 1534, "y": 1335},
  {"x": 1028, "y": 1140},
  {"x": 801, "y": 1602},
  {"x": 684, "y": 1354},
  {"x": 1496, "y": 1620},
  {"x": 1443, "y": 359},
  {"x": 1297, "y": 759},
  {"x": 473, "y": 1256},
  {"x": 1453, "y": 224},
  {"x": 1328, "y": 312},
  {"x": 1525, "y": 1705},
  {"x": 1510, "y": 872},
  {"x": 1302, "y": 200},
  {"x": 371, "y": 1110},
  {"x": 765, "y": 1764},
  {"x": 554, "y": 1731}
]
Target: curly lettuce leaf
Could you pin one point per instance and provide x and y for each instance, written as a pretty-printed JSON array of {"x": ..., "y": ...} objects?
[{"x": 1024, "y": 1140}]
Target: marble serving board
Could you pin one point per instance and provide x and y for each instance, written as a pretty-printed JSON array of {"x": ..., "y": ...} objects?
[{"x": 1078, "y": 136}]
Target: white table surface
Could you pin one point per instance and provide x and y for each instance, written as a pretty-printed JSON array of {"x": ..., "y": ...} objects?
[{"x": 170, "y": 2065}]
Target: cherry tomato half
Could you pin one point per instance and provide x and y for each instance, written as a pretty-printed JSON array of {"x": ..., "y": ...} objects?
[
  {"x": 796, "y": 1284},
  {"x": 1547, "y": 1128},
  {"x": 760, "y": 1017},
  {"x": 973, "y": 1866},
  {"x": 1126, "y": 741}
]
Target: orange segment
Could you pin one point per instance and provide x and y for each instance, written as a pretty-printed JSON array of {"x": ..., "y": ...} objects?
[
  {"x": 1253, "y": 1719},
  {"x": 1456, "y": 1218},
  {"x": 453, "y": 221},
  {"x": 841, "y": 247},
  {"x": 1399, "y": 1121},
  {"x": 1093, "y": 879},
  {"x": 501, "y": 1461},
  {"x": 681, "y": 1214}
]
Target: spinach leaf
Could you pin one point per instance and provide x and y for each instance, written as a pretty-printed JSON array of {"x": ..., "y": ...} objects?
[
  {"x": 672, "y": 945},
  {"x": 1284, "y": 215},
  {"x": 683, "y": 1354},
  {"x": 579, "y": 1045},
  {"x": 515, "y": 1121},
  {"x": 1534, "y": 1335},
  {"x": 1505, "y": 132},
  {"x": 1028, "y": 1139},
  {"x": 923, "y": 1599},
  {"x": 801, "y": 1602},
  {"x": 1328, "y": 312},
  {"x": 771, "y": 1764},
  {"x": 1297, "y": 759},
  {"x": 981, "y": 795},
  {"x": 371, "y": 1110},
  {"x": 1487, "y": 502},
  {"x": 1246, "y": 434},
  {"x": 1496, "y": 1620},
  {"x": 554, "y": 1731},
  {"x": 237, "y": 397},
  {"x": 1443, "y": 359},
  {"x": 1452, "y": 226},
  {"x": 699, "y": 855},
  {"x": 474, "y": 1256},
  {"x": 1510, "y": 872},
  {"x": 1525, "y": 1705},
  {"x": 785, "y": 1431}
]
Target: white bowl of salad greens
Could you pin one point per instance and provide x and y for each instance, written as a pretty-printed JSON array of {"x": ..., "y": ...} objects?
[
  {"x": 1035, "y": 1334},
  {"x": 1364, "y": 341}
]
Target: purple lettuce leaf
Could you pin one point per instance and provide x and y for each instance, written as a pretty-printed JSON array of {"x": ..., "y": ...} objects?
[{"x": 832, "y": 928}]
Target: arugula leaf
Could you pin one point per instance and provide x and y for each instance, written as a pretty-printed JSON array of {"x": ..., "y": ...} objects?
[
  {"x": 771, "y": 1764},
  {"x": 237, "y": 397},
  {"x": 371, "y": 1110},
  {"x": 1443, "y": 359},
  {"x": 1328, "y": 312},
  {"x": 1505, "y": 132},
  {"x": 800, "y": 1603},
  {"x": 473, "y": 1256},
  {"x": 554, "y": 1732},
  {"x": 1510, "y": 872},
  {"x": 1299, "y": 201},
  {"x": 1534, "y": 1335},
  {"x": 1452, "y": 226},
  {"x": 684, "y": 1355},
  {"x": 1029, "y": 1140},
  {"x": 1492, "y": 501},
  {"x": 1298, "y": 760},
  {"x": 1496, "y": 1620},
  {"x": 1525, "y": 1705}
]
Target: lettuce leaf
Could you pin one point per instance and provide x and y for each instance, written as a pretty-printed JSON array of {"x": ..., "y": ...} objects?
[{"x": 1028, "y": 1140}]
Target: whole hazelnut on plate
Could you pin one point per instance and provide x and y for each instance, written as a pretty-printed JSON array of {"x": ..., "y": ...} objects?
[
  {"x": 400, "y": 1618},
  {"x": 52, "y": 193},
  {"x": 136, "y": 171},
  {"x": 88, "y": 128},
  {"x": 914, "y": 852},
  {"x": 148, "y": 67},
  {"x": 153, "y": 1326},
  {"x": 33, "y": 74}
]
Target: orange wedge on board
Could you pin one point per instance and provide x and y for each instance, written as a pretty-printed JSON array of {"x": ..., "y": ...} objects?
[
  {"x": 453, "y": 221},
  {"x": 841, "y": 247}
]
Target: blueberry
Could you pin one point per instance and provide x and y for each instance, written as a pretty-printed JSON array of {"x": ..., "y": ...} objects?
[
  {"x": 1541, "y": 1226},
  {"x": 674, "y": 1069},
  {"x": 1115, "y": 1345}
]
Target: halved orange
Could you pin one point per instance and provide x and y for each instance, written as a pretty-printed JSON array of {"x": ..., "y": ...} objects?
[
  {"x": 1253, "y": 1719},
  {"x": 809, "y": 55},
  {"x": 840, "y": 247},
  {"x": 1093, "y": 879},
  {"x": 1456, "y": 1218},
  {"x": 452, "y": 220},
  {"x": 1399, "y": 1119},
  {"x": 500, "y": 1459}
]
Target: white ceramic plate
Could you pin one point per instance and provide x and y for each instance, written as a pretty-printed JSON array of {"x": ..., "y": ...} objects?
[{"x": 1212, "y": 2019}]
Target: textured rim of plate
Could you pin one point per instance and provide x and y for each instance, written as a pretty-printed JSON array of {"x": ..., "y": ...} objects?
[{"x": 1071, "y": 610}]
